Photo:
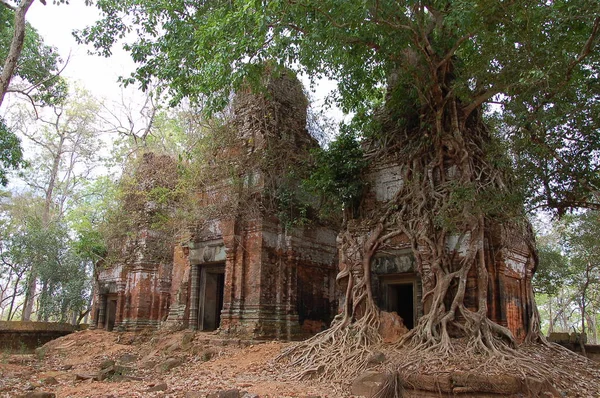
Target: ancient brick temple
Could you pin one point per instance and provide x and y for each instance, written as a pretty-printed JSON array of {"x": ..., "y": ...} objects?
[{"x": 245, "y": 270}]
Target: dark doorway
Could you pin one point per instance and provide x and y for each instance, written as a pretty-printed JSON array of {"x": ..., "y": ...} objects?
[
  {"x": 111, "y": 313},
  {"x": 400, "y": 298},
  {"x": 212, "y": 287}
]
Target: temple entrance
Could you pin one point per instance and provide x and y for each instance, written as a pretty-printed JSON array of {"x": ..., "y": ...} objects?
[
  {"x": 400, "y": 299},
  {"x": 111, "y": 312},
  {"x": 398, "y": 293},
  {"x": 211, "y": 289}
]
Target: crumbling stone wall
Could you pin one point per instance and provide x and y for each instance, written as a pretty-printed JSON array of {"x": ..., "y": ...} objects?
[
  {"x": 275, "y": 118},
  {"x": 25, "y": 336},
  {"x": 278, "y": 280},
  {"x": 133, "y": 290}
]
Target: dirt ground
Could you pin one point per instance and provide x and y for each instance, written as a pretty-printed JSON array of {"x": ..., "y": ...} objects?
[
  {"x": 194, "y": 365},
  {"x": 201, "y": 364}
]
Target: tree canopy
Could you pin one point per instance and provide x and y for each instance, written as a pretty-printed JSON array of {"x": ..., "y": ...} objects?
[
  {"x": 31, "y": 68},
  {"x": 567, "y": 278},
  {"x": 538, "y": 60},
  {"x": 36, "y": 73},
  {"x": 11, "y": 154}
]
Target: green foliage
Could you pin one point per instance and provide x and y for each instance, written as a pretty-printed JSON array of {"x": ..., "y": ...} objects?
[
  {"x": 568, "y": 276},
  {"x": 142, "y": 200},
  {"x": 11, "y": 154},
  {"x": 540, "y": 61},
  {"x": 292, "y": 204},
  {"x": 581, "y": 245},
  {"x": 553, "y": 270},
  {"x": 89, "y": 217},
  {"x": 65, "y": 146},
  {"x": 36, "y": 74},
  {"x": 337, "y": 173},
  {"x": 49, "y": 237},
  {"x": 64, "y": 275}
]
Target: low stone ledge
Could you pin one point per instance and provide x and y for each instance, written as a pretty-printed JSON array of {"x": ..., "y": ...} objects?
[
  {"x": 25, "y": 336},
  {"x": 31, "y": 326}
]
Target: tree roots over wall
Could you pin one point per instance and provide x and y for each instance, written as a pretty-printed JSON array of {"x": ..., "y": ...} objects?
[{"x": 450, "y": 188}]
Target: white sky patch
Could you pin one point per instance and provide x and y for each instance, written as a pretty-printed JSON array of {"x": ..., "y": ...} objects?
[{"x": 56, "y": 24}]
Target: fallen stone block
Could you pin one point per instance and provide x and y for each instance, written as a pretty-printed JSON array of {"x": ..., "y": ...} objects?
[
  {"x": 435, "y": 383},
  {"x": 85, "y": 376},
  {"x": 233, "y": 393},
  {"x": 158, "y": 387},
  {"x": 127, "y": 358},
  {"x": 169, "y": 364},
  {"x": 498, "y": 384},
  {"x": 368, "y": 384},
  {"x": 50, "y": 381},
  {"x": 39, "y": 394},
  {"x": 107, "y": 364}
]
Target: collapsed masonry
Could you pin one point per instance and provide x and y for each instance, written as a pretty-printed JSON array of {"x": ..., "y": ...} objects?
[{"x": 248, "y": 273}]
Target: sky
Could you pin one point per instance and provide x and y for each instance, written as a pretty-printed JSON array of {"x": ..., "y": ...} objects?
[
  {"x": 56, "y": 23},
  {"x": 99, "y": 75}
]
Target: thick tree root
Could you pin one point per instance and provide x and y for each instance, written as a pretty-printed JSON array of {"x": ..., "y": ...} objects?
[
  {"x": 538, "y": 369},
  {"x": 482, "y": 336},
  {"x": 443, "y": 213},
  {"x": 339, "y": 353},
  {"x": 537, "y": 365}
]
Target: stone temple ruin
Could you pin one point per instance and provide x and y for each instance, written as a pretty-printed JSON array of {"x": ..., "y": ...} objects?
[
  {"x": 242, "y": 272},
  {"x": 247, "y": 273}
]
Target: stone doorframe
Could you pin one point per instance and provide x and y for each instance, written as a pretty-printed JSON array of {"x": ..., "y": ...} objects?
[
  {"x": 206, "y": 299},
  {"x": 206, "y": 259},
  {"x": 390, "y": 280}
]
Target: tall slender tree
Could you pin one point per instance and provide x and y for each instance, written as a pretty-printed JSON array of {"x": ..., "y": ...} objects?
[
  {"x": 16, "y": 44},
  {"x": 30, "y": 68},
  {"x": 67, "y": 144}
]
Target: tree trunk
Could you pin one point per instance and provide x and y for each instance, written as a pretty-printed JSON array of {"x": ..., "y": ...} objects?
[
  {"x": 592, "y": 331},
  {"x": 450, "y": 210},
  {"x": 30, "y": 295},
  {"x": 14, "y": 296},
  {"x": 4, "y": 293},
  {"x": 49, "y": 194},
  {"x": 43, "y": 313},
  {"x": 11, "y": 309},
  {"x": 457, "y": 277},
  {"x": 551, "y": 317},
  {"x": 16, "y": 46}
]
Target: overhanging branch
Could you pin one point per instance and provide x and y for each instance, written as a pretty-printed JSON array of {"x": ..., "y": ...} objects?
[{"x": 16, "y": 46}]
